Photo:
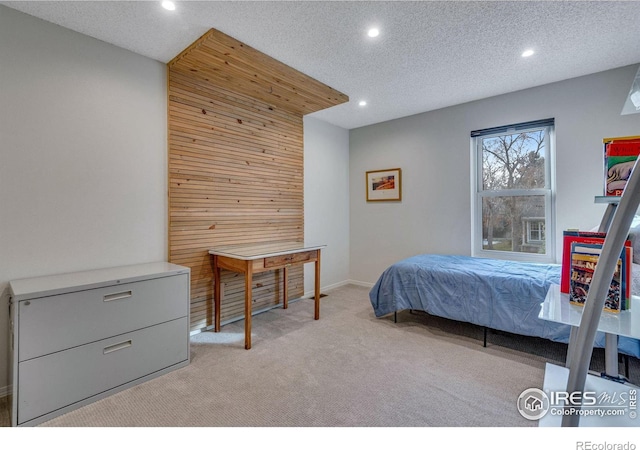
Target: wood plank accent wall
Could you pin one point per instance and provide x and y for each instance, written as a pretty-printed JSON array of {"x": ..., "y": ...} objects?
[{"x": 236, "y": 164}]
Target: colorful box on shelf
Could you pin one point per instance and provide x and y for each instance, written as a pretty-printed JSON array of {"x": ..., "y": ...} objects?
[{"x": 620, "y": 155}]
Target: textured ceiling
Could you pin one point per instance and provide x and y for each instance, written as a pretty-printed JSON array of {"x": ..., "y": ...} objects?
[{"x": 429, "y": 54}]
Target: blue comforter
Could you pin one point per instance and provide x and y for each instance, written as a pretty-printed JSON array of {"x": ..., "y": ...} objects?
[{"x": 498, "y": 294}]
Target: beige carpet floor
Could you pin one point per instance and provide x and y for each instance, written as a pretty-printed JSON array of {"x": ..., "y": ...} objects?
[{"x": 349, "y": 369}]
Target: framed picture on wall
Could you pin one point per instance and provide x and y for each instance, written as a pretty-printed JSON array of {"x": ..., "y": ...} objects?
[{"x": 384, "y": 185}]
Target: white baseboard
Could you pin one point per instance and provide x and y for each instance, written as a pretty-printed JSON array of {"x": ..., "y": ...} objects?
[
  {"x": 5, "y": 391},
  {"x": 310, "y": 294},
  {"x": 361, "y": 283}
]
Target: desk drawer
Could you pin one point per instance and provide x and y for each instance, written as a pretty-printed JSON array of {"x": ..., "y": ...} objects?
[
  {"x": 283, "y": 260},
  {"x": 59, "y": 322},
  {"x": 54, "y": 381}
]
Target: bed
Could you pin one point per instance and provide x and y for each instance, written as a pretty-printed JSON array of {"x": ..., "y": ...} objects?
[{"x": 496, "y": 294}]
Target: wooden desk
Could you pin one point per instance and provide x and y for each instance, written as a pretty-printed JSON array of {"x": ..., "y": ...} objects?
[{"x": 256, "y": 258}]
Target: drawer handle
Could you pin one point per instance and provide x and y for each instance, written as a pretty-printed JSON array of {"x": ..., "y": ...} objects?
[
  {"x": 118, "y": 296},
  {"x": 116, "y": 347}
]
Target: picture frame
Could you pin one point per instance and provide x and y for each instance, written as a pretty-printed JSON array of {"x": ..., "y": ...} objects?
[{"x": 384, "y": 185}]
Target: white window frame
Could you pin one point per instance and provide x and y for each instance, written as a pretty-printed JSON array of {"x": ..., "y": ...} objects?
[{"x": 478, "y": 193}]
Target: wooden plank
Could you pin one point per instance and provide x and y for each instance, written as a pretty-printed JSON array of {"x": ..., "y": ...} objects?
[
  {"x": 220, "y": 137},
  {"x": 240, "y": 165},
  {"x": 182, "y": 77},
  {"x": 198, "y": 118},
  {"x": 223, "y": 182},
  {"x": 182, "y": 103},
  {"x": 195, "y": 107}
]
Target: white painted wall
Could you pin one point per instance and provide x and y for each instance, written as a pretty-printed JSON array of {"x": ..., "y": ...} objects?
[
  {"x": 326, "y": 199},
  {"x": 83, "y": 165},
  {"x": 433, "y": 150}
]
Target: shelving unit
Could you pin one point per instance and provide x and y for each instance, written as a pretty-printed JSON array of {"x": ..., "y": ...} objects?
[
  {"x": 556, "y": 308},
  {"x": 616, "y": 222}
]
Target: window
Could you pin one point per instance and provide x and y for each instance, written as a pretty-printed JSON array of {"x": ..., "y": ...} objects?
[
  {"x": 513, "y": 192},
  {"x": 535, "y": 229}
]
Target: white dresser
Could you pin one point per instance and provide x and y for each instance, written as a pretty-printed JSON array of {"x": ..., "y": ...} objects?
[{"x": 79, "y": 337}]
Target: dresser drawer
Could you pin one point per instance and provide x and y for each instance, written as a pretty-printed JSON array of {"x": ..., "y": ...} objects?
[
  {"x": 59, "y": 322},
  {"x": 283, "y": 260},
  {"x": 54, "y": 381}
]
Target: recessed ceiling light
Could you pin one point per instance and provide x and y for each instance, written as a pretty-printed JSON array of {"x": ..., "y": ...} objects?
[
  {"x": 373, "y": 32},
  {"x": 527, "y": 53},
  {"x": 167, "y": 4},
  {"x": 362, "y": 103}
]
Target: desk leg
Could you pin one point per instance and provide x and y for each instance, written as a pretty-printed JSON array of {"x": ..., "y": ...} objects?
[
  {"x": 611, "y": 355},
  {"x": 573, "y": 334},
  {"x": 216, "y": 293},
  {"x": 317, "y": 288},
  {"x": 285, "y": 288},
  {"x": 248, "y": 281}
]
